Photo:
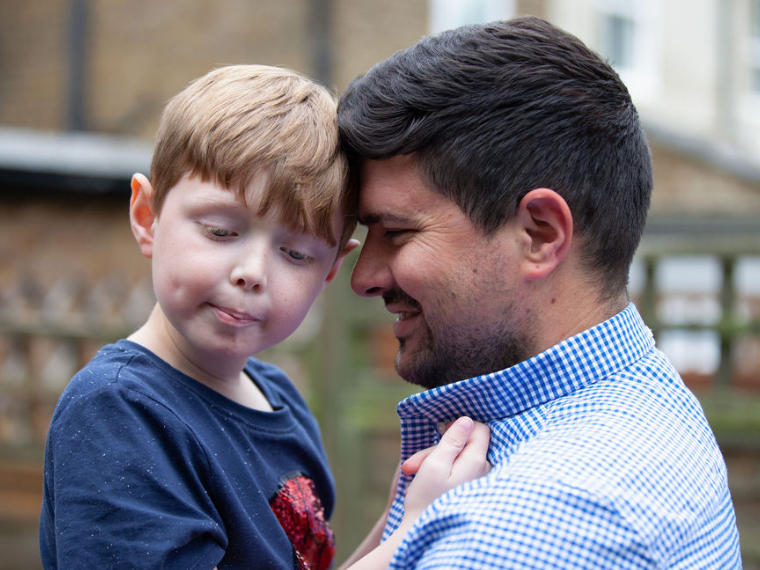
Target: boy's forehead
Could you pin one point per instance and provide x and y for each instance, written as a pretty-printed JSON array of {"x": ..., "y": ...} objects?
[
  {"x": 256, "y": 198},
  {"x": 255, "y": 191},
  {"x": 212, "y": 194},
  {"x": 253, "y": 196}
]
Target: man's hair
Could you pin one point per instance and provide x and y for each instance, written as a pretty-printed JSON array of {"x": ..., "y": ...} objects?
[
  {"x": 240, "y": 121},
  {"x": 493, "y": 111}
]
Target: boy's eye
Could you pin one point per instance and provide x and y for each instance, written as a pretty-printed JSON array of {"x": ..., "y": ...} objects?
[
  {"x": 295, "y": 254},
  {"x": 218, "y": 232}
]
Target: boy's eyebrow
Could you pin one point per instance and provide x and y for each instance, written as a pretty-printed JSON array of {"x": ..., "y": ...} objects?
[
  {"x": 222, "y": 202},
  {"x": 218, "y": 200}
]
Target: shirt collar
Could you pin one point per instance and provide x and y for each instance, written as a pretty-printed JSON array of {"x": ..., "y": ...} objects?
[{"x": 572, "y": 364}]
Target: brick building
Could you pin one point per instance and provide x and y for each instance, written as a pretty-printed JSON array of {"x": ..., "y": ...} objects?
[{"x": 83, "y": 84}]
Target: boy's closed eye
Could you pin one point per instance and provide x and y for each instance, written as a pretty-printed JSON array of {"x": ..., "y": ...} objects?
[
  {"x": 218, "y": 232},
  {"x": 295, "y": 254}
]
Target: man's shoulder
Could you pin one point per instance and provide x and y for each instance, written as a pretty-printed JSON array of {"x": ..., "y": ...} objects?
[
  {"x": 610, "y": 436},
  {"x": 642, "y": 409},
  {"x": 629, "y": 441}
]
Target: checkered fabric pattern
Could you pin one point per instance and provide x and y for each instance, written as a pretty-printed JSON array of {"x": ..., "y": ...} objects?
[{"x": 601, "y": 459}]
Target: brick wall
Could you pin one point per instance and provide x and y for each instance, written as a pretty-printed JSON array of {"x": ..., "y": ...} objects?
[
  {"x": 32, "y": 63},
  {"x": 140, "y": 52}
]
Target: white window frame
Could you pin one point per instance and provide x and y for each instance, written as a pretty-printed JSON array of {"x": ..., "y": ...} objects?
[
  {"x": 448, "y": 14},
  {"x": 754, "y": 50},
  {"x": 642, "y": 72},
  {"x": 748, "y": 91}
]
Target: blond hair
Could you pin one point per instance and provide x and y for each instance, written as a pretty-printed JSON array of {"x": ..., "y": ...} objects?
[{"x": 240, "y": 121}]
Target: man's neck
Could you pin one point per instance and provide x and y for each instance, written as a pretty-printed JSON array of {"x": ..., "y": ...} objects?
[{"x": 572, "y": 311}]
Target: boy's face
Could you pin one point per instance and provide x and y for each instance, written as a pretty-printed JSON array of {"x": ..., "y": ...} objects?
[{"x": 229, "y": 283}]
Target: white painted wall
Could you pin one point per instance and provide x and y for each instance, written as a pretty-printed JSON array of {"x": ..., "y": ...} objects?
[{"x": 693, "y": 73}]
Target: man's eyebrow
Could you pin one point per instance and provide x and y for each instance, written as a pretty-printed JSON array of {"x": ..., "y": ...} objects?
[{"x": 384, "y": 218}]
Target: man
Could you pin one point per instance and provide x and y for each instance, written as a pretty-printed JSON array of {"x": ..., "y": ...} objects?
[{"x": 504, "y": 182}]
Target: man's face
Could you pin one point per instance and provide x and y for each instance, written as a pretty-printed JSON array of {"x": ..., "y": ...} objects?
[{"x": 452, "y": 287}]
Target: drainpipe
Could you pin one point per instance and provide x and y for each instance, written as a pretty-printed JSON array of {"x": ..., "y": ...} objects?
[
  {"x": 76, "y": 96},
  {"x": 320, "y": 26},
  {"x": 726, "y": 127}
]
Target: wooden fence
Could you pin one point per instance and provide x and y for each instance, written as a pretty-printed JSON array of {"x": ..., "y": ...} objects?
[{"x": 343, "y": 361}]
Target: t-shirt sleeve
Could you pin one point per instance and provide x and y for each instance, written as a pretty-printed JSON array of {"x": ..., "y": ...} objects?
[{"x": 126, "y": 487}]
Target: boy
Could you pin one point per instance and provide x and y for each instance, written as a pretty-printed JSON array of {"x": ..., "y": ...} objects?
[{"x": 172, "y": 448}]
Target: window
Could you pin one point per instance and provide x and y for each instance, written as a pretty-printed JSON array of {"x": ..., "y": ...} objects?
[
  {"x": 447, "y": 14},
  {"x": 746, "y": 57},
  {"x": 754, "y": 48},
  {"x": 628, "y": 33},
  {"x": 618, "y": 44}
]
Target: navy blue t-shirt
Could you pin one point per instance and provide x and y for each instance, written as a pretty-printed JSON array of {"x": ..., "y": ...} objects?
[{"x": 147, "y": 468}]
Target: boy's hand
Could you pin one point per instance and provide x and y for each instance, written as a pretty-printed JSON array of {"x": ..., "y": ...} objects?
[{"x": 459, "y": 457}]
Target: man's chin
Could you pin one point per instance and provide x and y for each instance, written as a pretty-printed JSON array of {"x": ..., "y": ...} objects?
[{"x": 421, "y": 371}]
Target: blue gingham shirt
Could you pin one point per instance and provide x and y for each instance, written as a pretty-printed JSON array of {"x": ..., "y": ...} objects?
[{"x": 601, "y": 459}]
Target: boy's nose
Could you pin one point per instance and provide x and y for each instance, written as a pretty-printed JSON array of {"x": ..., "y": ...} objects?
[{"x": 250, "y": 272}]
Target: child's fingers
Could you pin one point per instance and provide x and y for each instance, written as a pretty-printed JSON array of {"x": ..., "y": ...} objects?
[
  {"x": 412, "y": 465},
  {"x": 448, "y": 449},
  {"x": 455, "y": 437},
  {"x": 460, "y": 456},
  {"x": 452, "y": 442},
  {"x": 478, "y": 440},
  {"x": 471, "y": 462}
]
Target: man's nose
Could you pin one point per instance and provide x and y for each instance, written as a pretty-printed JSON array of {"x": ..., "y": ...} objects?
[{"x": 372, "y": 274}]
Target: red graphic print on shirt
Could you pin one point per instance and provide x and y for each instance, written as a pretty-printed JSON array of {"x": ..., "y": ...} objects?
[{"x": 302, "y": 515}]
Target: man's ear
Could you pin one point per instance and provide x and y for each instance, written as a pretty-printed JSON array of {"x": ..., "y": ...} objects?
[
  {"x": 141, "y": 215},
  {"x": 548, "y": 223},
  {"x": 351, "y": 245}
]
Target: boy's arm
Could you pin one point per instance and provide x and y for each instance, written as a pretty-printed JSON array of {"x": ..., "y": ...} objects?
[
  {"x": 373, "y": 539},
  {"x": 459, "y": 457}
]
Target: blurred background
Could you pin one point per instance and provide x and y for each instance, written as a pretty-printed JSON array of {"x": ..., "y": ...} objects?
[{"x": 82, "y": 84}]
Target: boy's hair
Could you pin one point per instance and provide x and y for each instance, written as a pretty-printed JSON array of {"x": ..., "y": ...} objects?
[
  {"x": 240, "y": 121},
  {"x": 496, "y": 110}
]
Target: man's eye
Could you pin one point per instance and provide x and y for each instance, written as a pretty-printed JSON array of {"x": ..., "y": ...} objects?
[{"x": 391, "y": 234}]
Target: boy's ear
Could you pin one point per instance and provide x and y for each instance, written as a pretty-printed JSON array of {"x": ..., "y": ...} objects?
[
  {"x": 548, "y": 224},
  {"x": 351, "y": 245},
  {"x": 141, "y": 216}
]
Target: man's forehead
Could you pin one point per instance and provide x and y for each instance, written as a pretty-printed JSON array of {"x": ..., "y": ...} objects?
[
  {"x": 393, "y": 195},
  {"x": 400, "y": 165},
  {"x": 390, "y": 190}
]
